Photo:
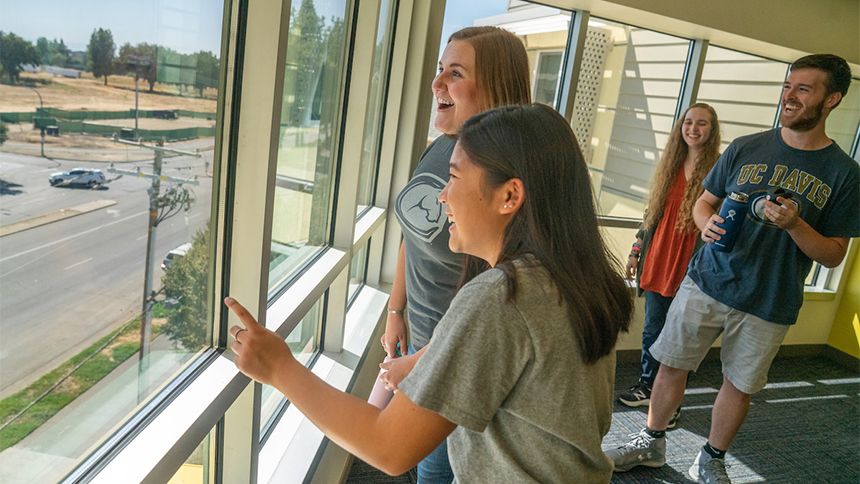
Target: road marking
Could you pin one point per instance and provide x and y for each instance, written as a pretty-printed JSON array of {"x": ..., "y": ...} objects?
[
  {"x": 77, "y": 264},
  {"x": 195, "y": 215},
  {"x": 80, "y": 234},
  {"x": 141, "y": 237},
  {"x": 31, "y": 201}
]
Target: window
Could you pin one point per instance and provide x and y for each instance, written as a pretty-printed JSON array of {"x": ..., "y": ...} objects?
[
  {"x": 357, "y": 271},
  {"x": 547, "y": 77},
  {"x": 842, "y": 121},
  {"x": 308, "y": 140},
  {"x": 744, "y": 89},
  {"x": 376, "y": 104},
  {"x": 304, "y": 343},
  {"x": 96, "y": 315}
]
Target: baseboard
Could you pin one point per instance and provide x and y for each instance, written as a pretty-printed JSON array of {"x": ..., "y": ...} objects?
[
  {"x": 841, "y": 358},
  {"x": 786, "y": 351}
]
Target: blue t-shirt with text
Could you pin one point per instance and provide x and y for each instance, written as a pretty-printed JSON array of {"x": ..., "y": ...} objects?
[{"x": 765, "y": 273}]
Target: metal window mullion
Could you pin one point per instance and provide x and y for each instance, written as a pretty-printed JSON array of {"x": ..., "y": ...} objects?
[
  {"x": 261, "y": 90},
  {"x": 692, "y": 78},
  {"x": 416, "y": 48},
  {"x": 576, "y": 34},
  {"x": 359, "y": 72},
  {"x": 389, "y": 130}
]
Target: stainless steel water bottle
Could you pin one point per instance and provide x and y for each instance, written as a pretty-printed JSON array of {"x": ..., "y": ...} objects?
[{"x": 733, "y": 211}]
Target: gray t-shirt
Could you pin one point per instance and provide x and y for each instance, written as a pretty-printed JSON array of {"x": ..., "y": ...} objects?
[
  {"x": 511, "y": 376},
  {"x": 432, "y": 270},
  {"x": 765, "y": 272}
]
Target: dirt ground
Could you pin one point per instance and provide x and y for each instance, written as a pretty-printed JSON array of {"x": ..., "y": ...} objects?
[
  {"x": 91, "y": 94},
  {"x": 88, "y": 93}
]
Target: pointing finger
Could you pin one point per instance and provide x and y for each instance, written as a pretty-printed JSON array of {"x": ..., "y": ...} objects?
[{"x": 242, "y": 313}]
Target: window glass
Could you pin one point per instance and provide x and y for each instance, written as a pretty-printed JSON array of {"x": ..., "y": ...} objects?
[
  {"x": 624, "y": 109},
  {"x": 196, "y": 469},
  {"x": 304, "y": 342},
  {"x": 625, "y": 103},
  {"x": 842, "y": 121},
  {"x": 376, "y": 105},
  {"x": 744, "y": 89},
  {"x": 102, "y": 303},
  {"x": 358, "y": 271},
  {"x": 308, "y": 141}
]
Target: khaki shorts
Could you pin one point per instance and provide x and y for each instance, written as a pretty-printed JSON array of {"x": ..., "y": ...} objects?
[{"x": 694, "y": 322}]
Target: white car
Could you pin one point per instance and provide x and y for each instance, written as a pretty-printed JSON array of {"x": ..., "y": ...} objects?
[
  {"x": 175, "y": 254},
  {"x": 88, "y": 177}
]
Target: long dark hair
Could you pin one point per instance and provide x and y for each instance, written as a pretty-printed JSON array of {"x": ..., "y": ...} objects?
[{"x": 557, "y": 222}]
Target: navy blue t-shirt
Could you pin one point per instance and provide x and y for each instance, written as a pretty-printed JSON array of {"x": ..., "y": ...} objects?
[{"x": 765, "y": 272}]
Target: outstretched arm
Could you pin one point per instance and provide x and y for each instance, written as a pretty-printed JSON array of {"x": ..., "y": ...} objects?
[{"x": 367, "y": 432}]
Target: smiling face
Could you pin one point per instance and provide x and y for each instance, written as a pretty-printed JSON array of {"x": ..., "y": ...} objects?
[
  {"x": 476, "y": 213},
  {"x": 696, "y": 129},
  {"x": 804, "y": 95},
  {"x": 455, "y": 87}
]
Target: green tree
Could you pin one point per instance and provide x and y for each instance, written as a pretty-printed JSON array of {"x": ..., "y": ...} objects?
[
  {"x": 140, "y": 60},
  {"x": 100, "y": 53},
  {"x": 4, "y": 130},
  {"x": 304, "y": 61},
  {"x": 44, "y": 49},
  {"x": 208, "y": 69},
  {"x": 187, "y": 280},
  {"x": 15, "y": 52}
]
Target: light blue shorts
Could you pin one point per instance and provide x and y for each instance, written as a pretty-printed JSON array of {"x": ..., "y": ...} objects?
[{"x": 696, "y": 320}]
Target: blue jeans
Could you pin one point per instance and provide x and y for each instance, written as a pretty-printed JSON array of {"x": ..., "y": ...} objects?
[
  {"x": 435, "y": 468},
  {"x": 656, "y": 308}
]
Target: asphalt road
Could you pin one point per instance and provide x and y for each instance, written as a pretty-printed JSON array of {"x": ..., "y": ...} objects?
[{"x": 66, "y": 284}]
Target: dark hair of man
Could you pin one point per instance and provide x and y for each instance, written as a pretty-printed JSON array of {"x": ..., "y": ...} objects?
[
  {"x": 501, "y": 65},
  {"x": 557, "y": 222},
  {"x": 836, "y": 68}
]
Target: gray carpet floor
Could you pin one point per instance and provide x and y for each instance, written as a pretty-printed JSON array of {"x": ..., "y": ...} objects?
[{"x": 804, "y": 427}]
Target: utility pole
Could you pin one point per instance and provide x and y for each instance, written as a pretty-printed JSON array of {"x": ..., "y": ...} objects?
[
  {"x": 42, "y": 112},
  {"x": 146, "y": 323},
  {"x": 156, "y": 203}
]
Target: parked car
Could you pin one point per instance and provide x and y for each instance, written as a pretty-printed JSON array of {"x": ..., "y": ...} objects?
[
  {"x": 175, "y": 254},
  {"x": 88, "y": 177}
]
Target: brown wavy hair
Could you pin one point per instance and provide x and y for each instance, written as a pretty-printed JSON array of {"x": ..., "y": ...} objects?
[
  {"x": 671, "y": 162},
  {"x": 501, "y": 65},
  {"x": 557, "y": 222}
]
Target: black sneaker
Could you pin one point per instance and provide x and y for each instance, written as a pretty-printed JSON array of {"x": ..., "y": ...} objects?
[
  {"x": 639, "y": 395},
  {"x": 675, "y": 416}
]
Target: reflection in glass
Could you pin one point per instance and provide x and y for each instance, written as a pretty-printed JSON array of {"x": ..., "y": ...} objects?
[
  {"x": 744, "y": 89},
  {"x": 547, "y": 78},
  {"x": 307, "y": 145},
  {"x": 196, "y": 469},
  {"x": 304, "y": 342},
  {"x": 358, "y": 271},
  {"x": 102, "y": 309},
  {"x": 375, "y": 106}
]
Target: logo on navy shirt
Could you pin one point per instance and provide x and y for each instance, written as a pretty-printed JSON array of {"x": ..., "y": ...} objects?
[
  {"x": 418, "y": 206},
  {"x": 756, "y": 212}
]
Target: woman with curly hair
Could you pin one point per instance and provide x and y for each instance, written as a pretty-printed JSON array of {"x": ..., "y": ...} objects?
[{"x": 669, "y": 237}]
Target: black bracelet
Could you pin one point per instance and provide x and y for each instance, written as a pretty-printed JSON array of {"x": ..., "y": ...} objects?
[{"x": 634, "y": 255}]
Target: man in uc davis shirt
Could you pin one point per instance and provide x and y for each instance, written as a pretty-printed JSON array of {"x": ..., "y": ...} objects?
[{"x": 753, "y": 294}]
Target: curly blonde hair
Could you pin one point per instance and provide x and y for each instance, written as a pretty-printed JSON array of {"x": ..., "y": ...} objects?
[{"x": 671, "y": 162}]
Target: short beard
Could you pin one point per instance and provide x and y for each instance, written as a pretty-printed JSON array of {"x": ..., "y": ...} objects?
[{"x": 808, "y": 122}]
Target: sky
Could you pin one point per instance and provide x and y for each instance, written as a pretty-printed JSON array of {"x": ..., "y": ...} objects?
[
  {"x": 186, "y": 26},
  {"x": 461, "y": 14}
]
